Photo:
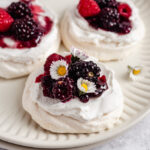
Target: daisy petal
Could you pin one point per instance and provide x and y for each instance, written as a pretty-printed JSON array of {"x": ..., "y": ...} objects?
[{"x": 78, "y": 53}]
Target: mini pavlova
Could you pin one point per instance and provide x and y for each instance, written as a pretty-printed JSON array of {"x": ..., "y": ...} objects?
[
  {"x": 73, "y": 94},
  {"x": 105, "y": 29}
]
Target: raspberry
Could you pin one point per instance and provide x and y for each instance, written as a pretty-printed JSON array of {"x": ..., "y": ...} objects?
[
  {"x": 109, "y": 18},
  {"x": 87, "y": 70},
  {"x": 63, "y": 89},
  {"x": 68, "y": 58},
  {"x": 19, "y": 10},
  {"x": 107, "y": 3},
  {"x": 5, "y": 20},
  {"x": 26, "y": 29},
  {"x": 50, "y": 59},
  {"x": 88, "y": 8},
  {"x": 125, "y": 10}
]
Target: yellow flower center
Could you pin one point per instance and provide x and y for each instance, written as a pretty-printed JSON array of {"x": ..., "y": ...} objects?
[
  {"x": 136, "y": 72},
  {"x": 61, "y": 70},
  {"x": 85, "y": 86}
]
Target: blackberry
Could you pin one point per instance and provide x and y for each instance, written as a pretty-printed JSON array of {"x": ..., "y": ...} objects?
[
  {"x": 46, "y": 81},
  {"x": 26, "y": 29},
  {"x": 107, "y": 3},
  {"x": 109, "y": 18},
  {"x": 19, "y": 10},
  {"x": 63, "y": 89},
  {"x": 124, "y": 27},
  {"x": 47, "y": 84},
  {"x": 87, "y": 70}
]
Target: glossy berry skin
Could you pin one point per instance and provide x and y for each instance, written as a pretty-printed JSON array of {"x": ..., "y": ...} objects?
[
  {"x": 88, "y": 8},
  {"x": 5, "y": 20},
  {"x": 84, "y": 98},
  {"x": 26, "y": 29},
  {"x": 19, "y": 10},
  {"x": 63, "y": 89},
  {"x": 87, "y": 70}
]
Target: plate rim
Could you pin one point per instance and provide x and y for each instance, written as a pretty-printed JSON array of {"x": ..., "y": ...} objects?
[
  {"x": 77, "y": 143},
  {"x": 90, "y": 141}
]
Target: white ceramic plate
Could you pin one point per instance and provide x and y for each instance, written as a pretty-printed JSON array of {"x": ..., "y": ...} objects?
[{"x": 17, "y": 127}]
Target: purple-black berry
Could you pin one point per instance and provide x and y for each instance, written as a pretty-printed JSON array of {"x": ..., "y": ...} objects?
[{"x": 19, "y": 10}]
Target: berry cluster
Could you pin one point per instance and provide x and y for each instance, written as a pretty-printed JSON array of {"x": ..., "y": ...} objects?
[
  {"x": 108, "y": 15},
  {"x": 79, "y": 78},
  {"x": 87, "y": 70},
  {"x": 19, "y": 22}
]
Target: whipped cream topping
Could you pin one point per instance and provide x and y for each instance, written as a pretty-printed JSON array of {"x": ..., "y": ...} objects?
[
  {"x": 82, "y": 32},
  {"x": 26, "y": 55},
  {"x": 109, "y": 101}
]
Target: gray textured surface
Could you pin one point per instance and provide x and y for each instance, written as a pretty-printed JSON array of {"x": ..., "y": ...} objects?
[{"x": 137, "y": 138}]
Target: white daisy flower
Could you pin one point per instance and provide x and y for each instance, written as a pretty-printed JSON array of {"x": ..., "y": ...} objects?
[
  {"x": 58, "y": 69},
  {"x": 86, "y": 86},
  {"x": 78, "y": 53},
  {"x": 135, "y": 72}
]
